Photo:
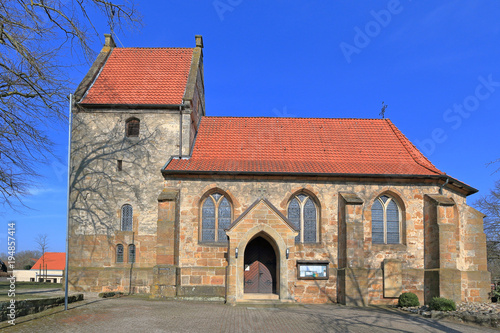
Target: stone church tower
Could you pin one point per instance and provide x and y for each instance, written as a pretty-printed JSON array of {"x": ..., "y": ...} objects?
[
  {"x": 134, "y": 109},
  {"x": 168, "y": 201}
]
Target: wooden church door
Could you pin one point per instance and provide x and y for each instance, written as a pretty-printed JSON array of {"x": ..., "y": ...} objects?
[
  {"x": 258, "y": 279},
  {"x": 260, "y": 267}
]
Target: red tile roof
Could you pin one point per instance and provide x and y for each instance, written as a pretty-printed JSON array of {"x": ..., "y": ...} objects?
[
  {"x": 303, "y": 145},
  {"x": 53, "y": 260},
  {"x": 152, "y": 76}
]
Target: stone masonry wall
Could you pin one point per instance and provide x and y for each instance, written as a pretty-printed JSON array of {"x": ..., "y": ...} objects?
[
  {"x": 99, "y": 190},
  {"x": 203, "y": 259}
]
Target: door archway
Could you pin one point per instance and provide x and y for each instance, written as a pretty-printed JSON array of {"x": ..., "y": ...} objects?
[{"x": 260, "y": 268}]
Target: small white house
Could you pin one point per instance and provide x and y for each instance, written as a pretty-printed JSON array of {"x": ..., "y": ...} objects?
[{"x": 49, "y": 268}]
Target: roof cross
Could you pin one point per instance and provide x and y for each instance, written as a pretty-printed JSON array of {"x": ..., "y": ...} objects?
[{"x": 262, "y": 191}]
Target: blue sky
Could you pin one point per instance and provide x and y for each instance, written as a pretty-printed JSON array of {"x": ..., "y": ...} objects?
[{"x": 434, "y": 63}]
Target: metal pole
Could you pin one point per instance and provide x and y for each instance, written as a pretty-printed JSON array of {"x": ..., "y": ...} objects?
[{"x": 66, "y": 267}]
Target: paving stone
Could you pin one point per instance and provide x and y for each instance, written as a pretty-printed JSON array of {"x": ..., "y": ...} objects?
[{"x": 138, "y": 314}]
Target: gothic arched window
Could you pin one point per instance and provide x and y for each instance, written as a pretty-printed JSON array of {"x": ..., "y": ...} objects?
[
  {"x": 119, "y": 253},
  {"x": 215, "y": 217},
  {"x": 386, "y": 221},
  {"x": 131, "y": 253},
  {"x": 127, "y": 217},
  {"x": 132, "y": 127},
  {"x": 303, "y": 213}
]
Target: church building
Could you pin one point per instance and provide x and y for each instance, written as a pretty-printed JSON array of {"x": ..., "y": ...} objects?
[{"x": 170, "y": 202}]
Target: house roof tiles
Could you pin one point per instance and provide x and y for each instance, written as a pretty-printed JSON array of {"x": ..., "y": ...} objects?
[
  {"x": 303, "y": 145},
  {"x": 52, "y": 260}
]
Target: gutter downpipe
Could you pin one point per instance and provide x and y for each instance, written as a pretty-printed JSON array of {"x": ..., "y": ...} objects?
[
  {"x": 442, "y": 186},
  {"x": 67, "y": 218},
  {"x": 227, "y": 272},
  {"x": 180, "y": 132}
]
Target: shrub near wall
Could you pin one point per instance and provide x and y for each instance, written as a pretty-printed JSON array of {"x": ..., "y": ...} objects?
[
  {"x": 30, "y": 306},
  {"x": 407, "y": 300},
  {"x": 442, "y": 304}
]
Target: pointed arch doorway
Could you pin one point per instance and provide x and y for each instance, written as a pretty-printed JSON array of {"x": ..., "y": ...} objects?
[{"x": 260, "y": 267}]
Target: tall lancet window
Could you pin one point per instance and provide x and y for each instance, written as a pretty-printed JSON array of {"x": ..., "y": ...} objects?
[
  {"x": 303, "y": 213},
  {"x": 386, "y": 221},
  {"x": 216, "y": 213},
  {"x": 127, "y": 217}
]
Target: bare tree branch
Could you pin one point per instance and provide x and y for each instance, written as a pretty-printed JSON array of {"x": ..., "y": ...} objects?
[
  {"x": 494, "y": 162},
  {"x": 37, "y": 38},
  {"x": 43, "y": 245},
  {"x": 42, "y": 242},
  {"x": 490, "y": 206}
]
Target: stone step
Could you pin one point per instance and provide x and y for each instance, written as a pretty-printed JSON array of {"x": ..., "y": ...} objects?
[
  {"x": 263, "y": 300},
  {"x": 260, "y": 297}
]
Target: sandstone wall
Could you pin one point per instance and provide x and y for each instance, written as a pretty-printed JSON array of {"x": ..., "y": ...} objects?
[
  {"x": 356, "y": 259},
  {"x": 440, "y": 241}
]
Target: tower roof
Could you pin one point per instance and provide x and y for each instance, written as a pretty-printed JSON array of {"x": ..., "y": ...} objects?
[{"x": 152, "y": 76}]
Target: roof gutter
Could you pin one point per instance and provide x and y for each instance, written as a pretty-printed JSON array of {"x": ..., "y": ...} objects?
[
  {"x": 449, "y": 180},
  {"x": 135, "y": 106}
]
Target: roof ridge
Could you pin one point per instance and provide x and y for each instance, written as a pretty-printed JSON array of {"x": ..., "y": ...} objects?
[
  {"x": 407, "y": 144},
  {"x": 319, "y": 118},
  {"x": 154, "y": 48}
]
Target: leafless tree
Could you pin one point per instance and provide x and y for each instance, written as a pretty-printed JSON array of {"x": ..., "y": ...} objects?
[
  {"x": 490, "y": 205},
  {"x": 40, "y": 40},
  {"x": 497, "y": 163},
  {"x": 24, "y": 259},
  {"x": 42, "y": 244}
]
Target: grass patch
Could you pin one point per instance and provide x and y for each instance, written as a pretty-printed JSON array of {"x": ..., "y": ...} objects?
[
  {"x": 22, "y": 297},
  {"x": 21, "y": 287},
  {"x": 5, "y": 285}
]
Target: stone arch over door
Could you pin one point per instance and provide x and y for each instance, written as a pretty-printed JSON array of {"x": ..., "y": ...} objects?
[
  {"x": 274, "y": 238},
  {"x": 261, "y": 266},
  {"x": 263, "y": 220}
]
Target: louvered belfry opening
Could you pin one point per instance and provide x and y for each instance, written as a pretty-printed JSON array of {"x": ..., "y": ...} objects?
[
  {"x": 260, "y": 267},
  {"x": 133, "y": 127}
]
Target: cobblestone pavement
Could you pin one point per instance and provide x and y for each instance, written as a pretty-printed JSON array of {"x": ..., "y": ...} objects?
[{"x": 133, "y": 314}]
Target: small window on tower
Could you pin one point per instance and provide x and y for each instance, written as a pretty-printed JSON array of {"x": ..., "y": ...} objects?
[
  {"x": 119, "y": 253},
  {"x": 131, "y": 253},
  {"x": 119, "y": 165},
  {"x": 132, "y": 127}
]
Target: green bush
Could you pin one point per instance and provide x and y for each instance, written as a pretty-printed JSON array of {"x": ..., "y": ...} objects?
[
  {"x": 407, "y": 300},
  {"x": 110, "y": 294},
  {"x": 495, "y": 292},
  {"x": 442, "y": 304}
]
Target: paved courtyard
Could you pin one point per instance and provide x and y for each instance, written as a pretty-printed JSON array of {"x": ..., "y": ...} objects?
[{"x": 131, "y": 314}]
